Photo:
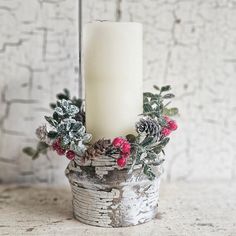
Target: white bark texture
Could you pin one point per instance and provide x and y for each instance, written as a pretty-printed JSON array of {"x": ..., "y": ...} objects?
[{"x": 107, "y": 197}]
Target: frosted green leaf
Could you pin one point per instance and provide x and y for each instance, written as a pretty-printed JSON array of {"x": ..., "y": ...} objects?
[
  {"x": 81, "y": 130},
  {"x": 87, "y": 137},
  {"x": 59, "y": 111},
  {"x": 80, "y": 148},
  {"x": 152, "y": 155},
  {"x": 72, "y": 110},
  {"x": 69, "y": 122},
  {"x": 65, "y": 140},
  {"x": 148, "y": 171},
  {"x": 61, "y": 128},
  {"x": 65, "y": 103},
  {"x": 76, "y": 126},
  {"x": 158, "y": 162}
]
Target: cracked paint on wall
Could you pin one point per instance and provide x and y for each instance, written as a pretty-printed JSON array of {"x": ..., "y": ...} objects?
[{"x": 189, "y": 44}]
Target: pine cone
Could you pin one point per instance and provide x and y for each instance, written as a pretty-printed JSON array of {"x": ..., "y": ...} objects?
[
  {"x": 97, "y": 149},
  {"x": 42, "y": 133},
  {"x": 148, "y": 126}
]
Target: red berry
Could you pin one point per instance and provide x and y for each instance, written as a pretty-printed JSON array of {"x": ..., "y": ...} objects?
[
  {"x": 117, "y": 142},
  {"x": 126, "y": 147},
  {"x": 167, "y": 118},
  {"x": 121, "y": 162},
  {"x": 70, "y": 155},
  {"x": 172, "y": 125},
  {"x": 165, "y": 131},
  {"x": 60, "y": 151},
  {"x": 56, "y": 144}
]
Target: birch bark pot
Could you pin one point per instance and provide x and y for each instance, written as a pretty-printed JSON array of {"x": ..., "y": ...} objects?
[{"x": 105, "y": 196}]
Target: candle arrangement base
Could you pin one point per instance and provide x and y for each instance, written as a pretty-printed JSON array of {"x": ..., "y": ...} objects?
[
  {"x": 115, "y": 183},
  {"x": 108, "y": 197}
]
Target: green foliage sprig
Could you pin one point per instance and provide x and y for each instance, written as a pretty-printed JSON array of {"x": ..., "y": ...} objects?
[
  {"x": 67, "y": 134},
  {"x": 72, "y": 133},
  {"x": 41, "y": 148},
  {"x": 146, "y": 152},
  {"x": 67, "y": 123},
  {"x": 155, "y": 105},
  {"x": 78, "y": 102},
  {"x": 149, "y": 143}
]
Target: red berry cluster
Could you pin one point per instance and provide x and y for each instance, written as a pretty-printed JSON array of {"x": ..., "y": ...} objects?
[
  {"x": 70, "y": 155},
  {"x": 171, "y": 126},
  {"x": 124, "y": 146},
  {"x": 56, "y": 146}
]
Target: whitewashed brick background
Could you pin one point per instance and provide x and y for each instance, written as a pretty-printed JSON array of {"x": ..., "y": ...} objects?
[{"x": 190, "y": 44}]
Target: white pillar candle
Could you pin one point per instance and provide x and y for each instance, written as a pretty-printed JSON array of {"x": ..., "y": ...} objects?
[{"x": 113, "y": 78}]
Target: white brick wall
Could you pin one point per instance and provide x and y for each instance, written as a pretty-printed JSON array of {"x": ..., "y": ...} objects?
[{"x": 190, "y": 44}]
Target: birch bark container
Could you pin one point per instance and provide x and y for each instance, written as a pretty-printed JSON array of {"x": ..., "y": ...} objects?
[{"x": 105, "y": 196}]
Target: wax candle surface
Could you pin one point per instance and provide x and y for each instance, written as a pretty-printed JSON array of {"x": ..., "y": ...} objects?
[{"x": 113, "y": 78}]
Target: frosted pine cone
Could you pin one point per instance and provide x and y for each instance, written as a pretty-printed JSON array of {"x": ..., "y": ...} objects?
[
  {"x": 97, "y": 149},
  {"x": 41, "y": 133},
  {"x": 148, "y": 126}
]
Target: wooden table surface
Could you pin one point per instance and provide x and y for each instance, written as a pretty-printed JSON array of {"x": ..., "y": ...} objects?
[{"x": 185, "y": 209}]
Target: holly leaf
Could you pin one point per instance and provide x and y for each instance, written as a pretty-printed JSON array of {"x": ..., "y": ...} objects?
[
  {"x": 164, "y": 142},
  {"x": 51, "y": 121},
  {"x": 148, "y": 171},
  {"x": 156, "y": 87},
  {"x": 62, "y": 96},
  {"x": 170, "y": 111},
  {"x": 157, "y": 149},
  {"x": 131, "y": 138},
  {"x": 66, "y": 92},
  {"x": 168, "y": 96},
  {"x": 52, "y": 105},
  {"x": 55, "y": 116},
  {"x": 42, "y": 147},
  {"x": 29, "y": 151},
  {"x": 148, "y": 141},
  {"x": 34, "y": 153},
  {"x": 156, "y": 97},
  {"x": 145, "y": 100},
  {"x": 158, "y": 162},
  {"x": 147, "y": 107},
  {"x": 148, "y": 94},
  {"x": 138, "y": 157},
  {"x": 52, "y": 134},
  {"x": 151, "y": 155},
  {"x": 165, "y": 88}
]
